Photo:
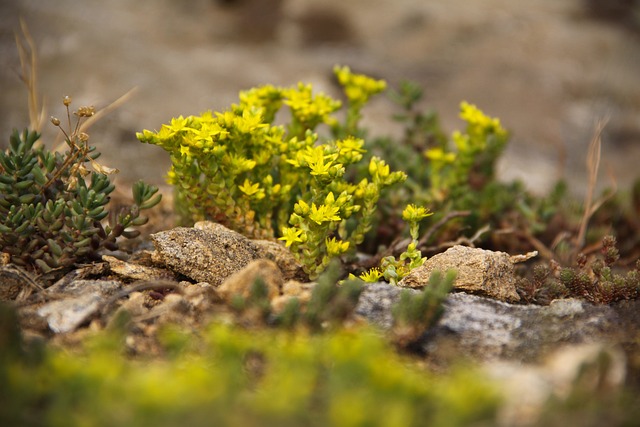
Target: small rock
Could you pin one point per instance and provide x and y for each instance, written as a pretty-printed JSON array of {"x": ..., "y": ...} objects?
[
  {"x": 96, "y": 269},
  {"x": 200, "y": 295},
  {"x": 240, "y": 283},
  {"x": 295, "y": 288},
  {"x": 67, "y": 314},
  {"x": 290, "y": 290},
  {"x": 480, "y": 272},
  {"x": 80, "y": 299},
  {"x": 13, "y": 281},
  {"x": 134, "y": 305},
  {"x": 173, "y": 307},
  {"x": 288, "y": 264},
  {"x": 568, "y": 307},
  {"x": 208, "y": 253},
  {"x": 132, "y": 271},
  {"x": 81, "y": 286}
]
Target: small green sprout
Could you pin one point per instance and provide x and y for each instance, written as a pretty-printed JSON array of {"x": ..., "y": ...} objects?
[{"x": 392, "y": 269}]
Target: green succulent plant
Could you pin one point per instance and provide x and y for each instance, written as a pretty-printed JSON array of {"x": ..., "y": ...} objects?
[
  {"x": 597, "y": 281},
  {"x": 280, "y": 181},
  {"x": 53, "y": 208},
  {"x": 594, "y": 279}
]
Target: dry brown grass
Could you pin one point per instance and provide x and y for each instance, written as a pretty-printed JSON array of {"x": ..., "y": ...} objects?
[
  {"x": 29, "y": 76},
  {"x": 593, "y": 167}
]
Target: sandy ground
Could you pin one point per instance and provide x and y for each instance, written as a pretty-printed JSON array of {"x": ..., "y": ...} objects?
[{"x": 547, "y": 68}]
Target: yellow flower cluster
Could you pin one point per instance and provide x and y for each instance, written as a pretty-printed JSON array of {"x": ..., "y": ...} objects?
[
  {"x": 415, "y": 213},
  {"x": 310, "y": 110},
  {"x": 478, "y": 120},
  {"x": 278, "y": 181},
  {"x": 475, "y": 152},
  {"x": 358, "y": 87}
]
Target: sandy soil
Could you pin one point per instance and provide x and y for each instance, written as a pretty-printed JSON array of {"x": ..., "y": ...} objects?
[{"x": 547, "y": 68}]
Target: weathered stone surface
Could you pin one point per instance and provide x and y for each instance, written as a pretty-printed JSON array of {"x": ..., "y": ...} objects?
[
  {"x": 480, "y": 272},
  {"x": 376, "y": 301},
  {"x": 486, "y": 329},
  {"x": 240, "y": 283},
  {"x": 81, "y": 286},
  {"x": 298, "y": 289},
  {"x": 83, "y": 298},
  {"x": 290, "y": 267},
  {"x": 131, "y": 271},
  {"x": 13, "y": 281},
  {"x": 210, "y": 253},
  {"x": 290, "y": 290},
  {"x": 66, "y": 315},
  {"x": 98, "y": 269}
]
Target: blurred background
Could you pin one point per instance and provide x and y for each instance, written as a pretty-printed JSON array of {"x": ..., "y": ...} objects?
[{"x": 549, "y": 69}]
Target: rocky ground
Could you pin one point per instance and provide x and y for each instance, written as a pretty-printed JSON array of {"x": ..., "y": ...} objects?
[
  {"x": 193, "y": 275},
  {"x": 548, "y": 69}
]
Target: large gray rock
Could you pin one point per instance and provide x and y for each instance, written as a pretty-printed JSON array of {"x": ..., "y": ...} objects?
[
  {"x": 486, "y": 329},
  {"x": 376, "y": 301},
  {"x": 489, "y": 329}
]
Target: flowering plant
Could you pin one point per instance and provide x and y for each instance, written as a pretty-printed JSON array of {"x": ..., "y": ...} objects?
[{"x": 264, "y": 180}]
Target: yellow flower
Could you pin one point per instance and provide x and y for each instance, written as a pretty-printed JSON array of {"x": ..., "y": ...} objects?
[
  {"x": 415, "y": 213},
  {"x": 438, "y": 155},
  {"x": 301, "y": 208},
  {"x": 179, "y": 124},
  {"x": 185, "y": 151},
  {"x": 324, "y": 213},
  {"x": 480, "y": 121},
  {"x": 373, "y": 275},
  {"x": 249, "y": 121},
  {"x": 316, "y": 161},
  {"x": 308, "y": 109},
  {"x": 238, "y": 164},
  {"x": 250, "y": 189},
  {"x": 378, "y": 168},
  {"x": 291, "y": 235},
  {"x": 358, "y": 87},
  {"x": 336, "y": 247},
  {"x": 350, "y": 149}
]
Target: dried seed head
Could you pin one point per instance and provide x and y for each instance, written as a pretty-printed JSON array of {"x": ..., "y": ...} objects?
[
  {"x": 85, "y": 111},
  {"x": 55, "y": 121},
  {"x": 66, "y": 100},
  {"x": 84, "y": 137}
]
